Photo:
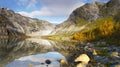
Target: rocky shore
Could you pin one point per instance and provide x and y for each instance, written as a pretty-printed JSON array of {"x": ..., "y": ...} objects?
[{"x": 100, "y": 56}]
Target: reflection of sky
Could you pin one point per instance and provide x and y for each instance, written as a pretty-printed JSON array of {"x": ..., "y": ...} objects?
[{"x": 37, "y": 59}]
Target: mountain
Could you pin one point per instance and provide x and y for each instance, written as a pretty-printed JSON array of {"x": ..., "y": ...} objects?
[
  {"x": 18, "y": 25},
  {"x": 88, "y": 12},
  {"x": 105, "y": 28},
  {"x": 94, "y": 11},
  {"x": 81, "y": 17}
]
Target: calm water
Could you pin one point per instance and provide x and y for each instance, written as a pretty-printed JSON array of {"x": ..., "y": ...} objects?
[{"x": 12, "y": 50}]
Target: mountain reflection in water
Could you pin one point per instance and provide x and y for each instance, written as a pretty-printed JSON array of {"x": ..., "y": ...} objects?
[{"x": 11, "y": 49}]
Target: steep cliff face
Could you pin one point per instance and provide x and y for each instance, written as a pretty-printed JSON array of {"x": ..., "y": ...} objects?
[
  {"x": 3, "y": 29},
  {"x": 88, "y": 12},
  {"x": 21, "y": 25}
]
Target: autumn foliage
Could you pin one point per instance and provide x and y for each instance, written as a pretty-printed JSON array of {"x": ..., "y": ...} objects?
[{"x": 105, "y": 29}]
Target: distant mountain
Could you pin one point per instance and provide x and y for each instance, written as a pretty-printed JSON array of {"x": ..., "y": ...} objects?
[{"x": 18, "y": 25}]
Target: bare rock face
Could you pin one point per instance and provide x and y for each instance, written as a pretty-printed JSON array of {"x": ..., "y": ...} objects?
[
  {"x": 20, "y": 25},
  {"x": 113, "y": 6},
  {"x": 89, "y": 12}
]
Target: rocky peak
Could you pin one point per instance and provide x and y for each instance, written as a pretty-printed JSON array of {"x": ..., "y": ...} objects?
[
  {"x": 111, "y": 8},
  {"x": 89, "y": 12},
  {"x": 113, "y": 4},
  {"x": 6, "y": 12}
]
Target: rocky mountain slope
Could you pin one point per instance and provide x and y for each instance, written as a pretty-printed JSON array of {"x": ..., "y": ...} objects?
[
  {"x": 105, "y": 28},
  {"x": 94, "y": 11},
  {"x": 18, "y": 25},
  {"x": 90, "y": 12}
]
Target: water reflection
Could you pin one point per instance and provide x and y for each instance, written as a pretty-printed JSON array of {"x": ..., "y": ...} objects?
[
  {"x": 50, "y": 59},
  {"x": 11, "y": 49}
]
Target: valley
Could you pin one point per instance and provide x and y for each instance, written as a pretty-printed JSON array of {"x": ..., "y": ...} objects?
[{"x": 92, "y": 29}]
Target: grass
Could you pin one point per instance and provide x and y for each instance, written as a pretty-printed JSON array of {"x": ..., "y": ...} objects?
[{"x": 58, "y": 37}]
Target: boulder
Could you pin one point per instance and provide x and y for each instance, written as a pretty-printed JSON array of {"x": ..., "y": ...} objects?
[{"x": 84, "y": 59}]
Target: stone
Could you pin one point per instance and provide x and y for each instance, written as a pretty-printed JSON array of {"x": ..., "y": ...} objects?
[
  {"x": 95, "y": 52},
  {"x": 114, "y": 54},
  {"x": 84, "y": 59},
  {"x": 117, "y": 65}
]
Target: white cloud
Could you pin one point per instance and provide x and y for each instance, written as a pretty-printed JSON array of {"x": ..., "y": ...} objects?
[
  {"x": 52, "y": 8},
  {"x": 43, "y": 12},
  {"x": 24, "y": 13}
]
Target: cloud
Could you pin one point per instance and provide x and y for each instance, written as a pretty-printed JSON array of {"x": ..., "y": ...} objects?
[
  {"x": 32, "y": 3},
  {"x": 43, "y": 12},
  {"x": 27, "y": 3},
  {"x": 52, "y": 8}
]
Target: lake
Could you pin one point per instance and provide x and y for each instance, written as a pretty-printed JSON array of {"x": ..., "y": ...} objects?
[{"x": 13, "y": 51}]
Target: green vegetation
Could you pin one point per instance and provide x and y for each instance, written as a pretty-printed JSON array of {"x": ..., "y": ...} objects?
[
  {"x": 58, "y": 38},
  {"x": 80, "y": 22},
  {"x": 105, "y": 29}
]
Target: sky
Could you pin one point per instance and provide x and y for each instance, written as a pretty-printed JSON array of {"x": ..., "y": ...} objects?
[{"x": 54, "y": 11}]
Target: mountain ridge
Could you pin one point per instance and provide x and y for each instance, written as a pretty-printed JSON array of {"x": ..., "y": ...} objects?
[
  {"x": 25, "y": 26},
  {"x": 90, "y": 12}
]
